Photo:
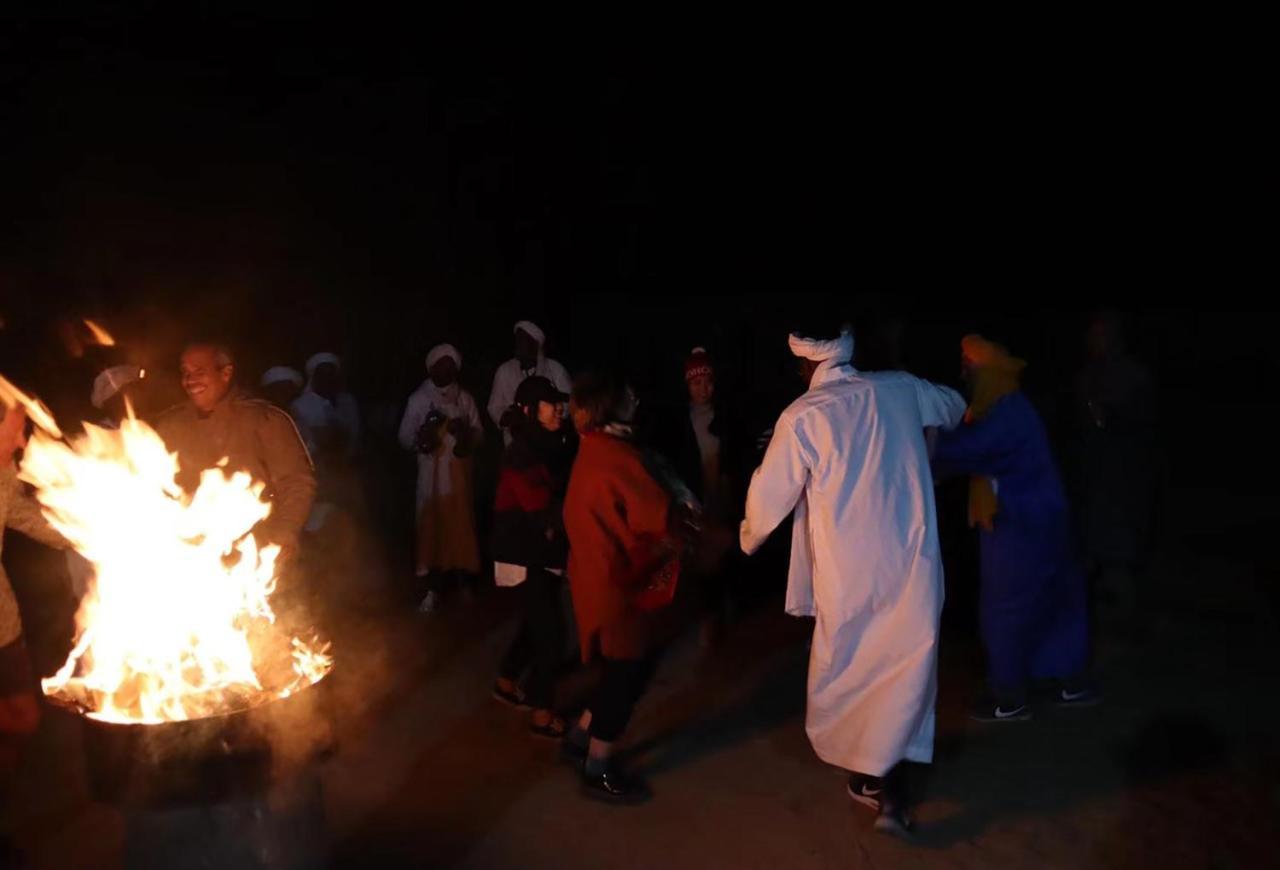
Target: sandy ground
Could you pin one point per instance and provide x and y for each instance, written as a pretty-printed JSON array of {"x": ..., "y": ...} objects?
[{"x": 1178, "y": 768}]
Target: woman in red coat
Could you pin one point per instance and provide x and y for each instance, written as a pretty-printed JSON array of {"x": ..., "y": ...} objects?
[{"x": 616, "y": 516}]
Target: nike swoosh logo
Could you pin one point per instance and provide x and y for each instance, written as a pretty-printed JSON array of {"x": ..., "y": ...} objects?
[
  {"x": 1074, "y": 696},
  {"x": 1001, "y": 714}
]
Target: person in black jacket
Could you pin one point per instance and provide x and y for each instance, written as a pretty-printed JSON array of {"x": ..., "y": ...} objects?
[
  {"x": 530, "y": 549},
  {"x": 704, "y": 442}
]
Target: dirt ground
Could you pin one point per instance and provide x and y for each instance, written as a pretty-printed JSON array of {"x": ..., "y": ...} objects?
[{"x": 1177, "y": 768}]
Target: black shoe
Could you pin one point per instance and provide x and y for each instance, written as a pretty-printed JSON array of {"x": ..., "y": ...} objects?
[
  {"x": 515, "y": 698},
  {"x": 556, "y": 729},
  {"x": 988, "y": 710},
  {"x": 573, "y": 749},
  {"x": 893, "y": 819},
  {"x": 613, "y": 786},
  {"x": 866, "y": 790}
]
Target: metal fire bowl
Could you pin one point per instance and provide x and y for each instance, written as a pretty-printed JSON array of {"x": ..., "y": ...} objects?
[{"x": 195, "y": 761}]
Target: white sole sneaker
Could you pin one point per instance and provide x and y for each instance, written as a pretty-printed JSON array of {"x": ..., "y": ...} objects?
[
  {"x": 1018, "y": 714},
  {"x": 867, "y": 800}
]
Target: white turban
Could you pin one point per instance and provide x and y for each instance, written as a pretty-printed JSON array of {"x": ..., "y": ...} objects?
[
  {"x": 533, "y": 331},
  {"x": 440, "y": 351},
  {"x": 833, "y": 350},
  {"x": 320, "y": 359},
  {"x": 829, "y": 353},
  {"x": 113, "y": 380},
  {"x": 280, "y": 375}
]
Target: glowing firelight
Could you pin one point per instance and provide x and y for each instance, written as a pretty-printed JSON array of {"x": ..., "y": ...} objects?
[
  {"x": 13, "y": 397},
  {"x": 100, "y": 335},
  {"x": 177, "y": 623}
]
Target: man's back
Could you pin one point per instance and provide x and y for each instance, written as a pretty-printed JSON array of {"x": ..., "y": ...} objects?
[
  {"x": 869, "y": 470},
  {"x": 850, "y": 456}
]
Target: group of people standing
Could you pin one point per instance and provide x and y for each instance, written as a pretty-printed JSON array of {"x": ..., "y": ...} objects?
[
  {"x": 622, "y": 512},
  {"x": 632, "y": 517}
]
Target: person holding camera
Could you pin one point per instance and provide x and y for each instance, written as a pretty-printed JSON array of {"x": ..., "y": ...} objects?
[{"x": 442, "y": 425}]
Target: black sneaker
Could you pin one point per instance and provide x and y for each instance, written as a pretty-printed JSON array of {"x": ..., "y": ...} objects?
[
  {"x": 992, "y": 711},
  {"x": 515, "y": 698},
  {"x": 1076, "y": 698},
  {"x": 573, "y": 748},
  {"x": 893, "y": 819},
  {"x": 866, "y": 790},
  {"x": 613, "y": 786}
]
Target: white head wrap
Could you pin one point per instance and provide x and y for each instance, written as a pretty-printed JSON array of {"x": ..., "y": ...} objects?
[
  {"x": 830, "y": 353},
  {"x": 532, "y": 329},
  {"x": 440, "y": 351},
  {"x": 113, "y": 380},
  {"x": 320, "y": 359},
  {"x": 280, "y": 375}
]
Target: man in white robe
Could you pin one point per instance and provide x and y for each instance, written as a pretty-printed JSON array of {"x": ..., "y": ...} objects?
[
  {"x": 327, "y": 415},
  {"x": 850, "y": 457},
  {"x": 528, "y": 361},
  {"x": 441, "y": 425}
]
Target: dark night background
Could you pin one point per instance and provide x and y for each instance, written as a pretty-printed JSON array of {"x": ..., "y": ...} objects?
[{"x": 373, "y": 186}]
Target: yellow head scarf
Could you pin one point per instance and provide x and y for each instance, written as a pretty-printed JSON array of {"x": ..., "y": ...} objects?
[{"x": 996, "y": 374}]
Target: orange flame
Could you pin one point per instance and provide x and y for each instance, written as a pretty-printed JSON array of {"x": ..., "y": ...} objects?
[
  {"x": 100, "y": 335},
  {"x": 36, "y": 410},
  {"x": 177, "y": 623}
]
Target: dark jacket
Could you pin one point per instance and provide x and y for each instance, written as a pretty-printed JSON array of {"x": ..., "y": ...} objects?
[
  {"x": 253, "y": 436},
  {"x": 678, "y": 442},
  {"x": 528, "y": 524}
]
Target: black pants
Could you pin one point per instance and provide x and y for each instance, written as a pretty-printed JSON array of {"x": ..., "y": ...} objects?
[
  {"x": 621, "y": 685},
  {"x": 539, "y": 645}
]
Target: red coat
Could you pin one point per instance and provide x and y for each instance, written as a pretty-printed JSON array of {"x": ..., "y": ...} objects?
[{"x": 613, "y": 512}]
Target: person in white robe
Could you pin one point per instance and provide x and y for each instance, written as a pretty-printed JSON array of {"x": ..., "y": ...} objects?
[
  {"x": 441, "y": 424},
  {"x": 327, "y": 415},
  {"x": 528, "y": 361},
  {"x": 850, "y": 458},
  {"x": 281, "y": 386},
  {"x": 328, "y": 419}
]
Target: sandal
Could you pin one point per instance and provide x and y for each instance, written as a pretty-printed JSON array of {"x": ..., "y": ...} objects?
[
  {"x": 515, "y": 698},
  {"x": 555, "y": 729}
]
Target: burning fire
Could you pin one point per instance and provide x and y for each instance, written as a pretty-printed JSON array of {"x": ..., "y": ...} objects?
[
  {"x": 178, "y": 622},
  {"x": 100, "y": 335}
]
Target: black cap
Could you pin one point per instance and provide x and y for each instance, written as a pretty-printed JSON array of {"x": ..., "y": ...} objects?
[{"x": 536, "y": 388}]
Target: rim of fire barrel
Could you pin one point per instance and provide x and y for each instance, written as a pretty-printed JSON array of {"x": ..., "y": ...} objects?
[{"x": 83, "y": 712}]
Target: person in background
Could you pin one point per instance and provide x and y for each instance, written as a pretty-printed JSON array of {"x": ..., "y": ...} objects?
[
  {"x": 327, "y": 414},
  {"x": 281, "y": 385},
  {"x": 1033, "y": 610},
  {"x": 529, "y": 360},
  {"x": 703, "y": 440},
  {"x": 850, "y": 458},
  {"x": 1116, "y": 402},
  {"x": 530, "y": 549},
  {"x": 441, "y": 424},
  {"x": 616, "y": 516},
  {"x": 219, "y": 422},
  {"x": 19, "y": 709}
]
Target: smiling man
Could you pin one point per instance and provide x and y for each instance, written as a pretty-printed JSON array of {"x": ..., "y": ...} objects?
[{"x": 255, "y": 436}]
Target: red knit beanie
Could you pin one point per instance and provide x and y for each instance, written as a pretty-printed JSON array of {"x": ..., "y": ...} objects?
[{"x": 698, "y": 364}]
